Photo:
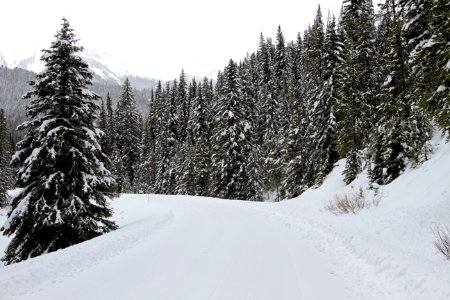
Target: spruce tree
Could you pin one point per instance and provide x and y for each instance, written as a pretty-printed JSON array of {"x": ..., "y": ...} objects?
[
  {"x": 355, "y": 110},
  {"x": 128, "y": 137},
  {"x": 5, "y": 157},
  {"x": 248, "y": 81},
  {"x": 231, "y": 142},
  {"x": 183, "y": 107},
  {"x": 269, "y": 121},
  {"x": 280, "y": 81},
  {"x": 166, "y": 182},
  {"x": 314, "y": 77},
  {"x": 401, "y": 130},
  {"x": 61, "y": 166},
  {"x": 294, "y": 155},
  {"x": 324, "y": 120},
  {"x": 185, "y": 154},
  {"x": 108, "y": 145},
  {"x": 295, "y": 149},
  {"x": 102, "y": 125},
  {"x": 199, "y": 168},
  {"x": 426, "y": 30}
]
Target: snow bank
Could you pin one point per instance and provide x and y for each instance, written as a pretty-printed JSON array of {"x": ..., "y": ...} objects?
[
  {"x": 395, "y": 239},
  {"x": 137, "y": 223}
]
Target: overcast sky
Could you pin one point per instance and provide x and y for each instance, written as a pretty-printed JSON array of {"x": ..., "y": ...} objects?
[{"x": 157, "y": 38}]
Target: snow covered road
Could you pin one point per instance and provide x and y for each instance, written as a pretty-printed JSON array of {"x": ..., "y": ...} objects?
[{"x": 176, "y": 247}]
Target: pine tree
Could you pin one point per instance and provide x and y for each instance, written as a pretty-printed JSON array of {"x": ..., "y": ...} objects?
[
  {"x": 147, "y": 164},
  {"x": 324, "y": 120},
  {"x": 400, "y": 131},
  {"x": 314, "y": 52},
  {"x": 279, "y": 79},
  {"x": 185, "y": 162},
  {"x": 102, "y": 125},
  {"x": 5, "y": 157},
  {"x": 183, "y": 107},
  {"x": 61, "y": 166},
  {"x": 231, "y": 142},
  {"x": 128, "y": 137},
  {"x": 166, "y": 181},
  {"x": 426, "y": 30},
  {"x": 294, "y": 153},
  {"x": 355, "y": 110},
  {"x": 110, "y": 126},
  {"x": 196, "y": 169},
  {"x": 249, "y": 83},
  {"x": 269, "y": 120},
  {"x": 314, "y": 77}
]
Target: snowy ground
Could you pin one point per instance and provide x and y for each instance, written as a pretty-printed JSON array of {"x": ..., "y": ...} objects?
[{"x": 179, "y": 247}]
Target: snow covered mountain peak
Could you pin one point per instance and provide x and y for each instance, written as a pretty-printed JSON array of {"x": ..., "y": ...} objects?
[{"x": 98, "y": 63}]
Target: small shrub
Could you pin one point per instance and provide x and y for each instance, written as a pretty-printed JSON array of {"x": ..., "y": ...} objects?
[
  {"x": 351, "y": 203},
  {"x": 377, "y": 199},
  {"x": 442, "y": 241}
]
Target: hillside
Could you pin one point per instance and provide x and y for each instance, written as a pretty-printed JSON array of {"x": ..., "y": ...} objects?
[
  {"x": 14, "y": 84},
  {"x": 181, "y": 247}
]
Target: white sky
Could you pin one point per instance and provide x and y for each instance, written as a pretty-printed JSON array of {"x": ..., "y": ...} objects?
[{"x": 157, "y": 38}]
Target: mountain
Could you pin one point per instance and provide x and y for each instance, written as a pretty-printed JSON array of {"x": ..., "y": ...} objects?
[
  {"x": 100, "y": 64},
  {"x": 14, "y": 84}
]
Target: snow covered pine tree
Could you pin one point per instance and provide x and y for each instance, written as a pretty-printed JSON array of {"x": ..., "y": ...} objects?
[
  {"x": 5, "y": 156},
  {"x": 60, "y": 163}
]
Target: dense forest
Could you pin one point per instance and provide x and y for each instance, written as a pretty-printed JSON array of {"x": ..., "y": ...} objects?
[{"x": 367, "y": 87}]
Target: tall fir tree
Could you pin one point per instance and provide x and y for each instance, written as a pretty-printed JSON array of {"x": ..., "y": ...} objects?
[
  {"x": 5, "y": 157},
  {"x": 184, "y": 168},
  {"x": 166, "y": 182},
  {"x": 314, "y": 77},
  {"x": 128, "y": 138},
  {"x": 426, "y": 30},
  {"x": 269, "y": 109},
  {"x": 60, "y": 164},
  {"x": 401, "y": 130},
  {"x": 356, "y": 111},
  {"x": 324, "y": 120},
  {"x": 196, "y": 177},
  {"x": 109, "y": 130},
  {"x": 280, "y": 82},
  {"x": 183, "y": 108},
  {"x": 249, "y": 83},
  {"x": 146, "y": 168},
  {"x": 294, "y": 153},
  {"x": 231, "y": 142},
  {"x": 102, "y": 125}
]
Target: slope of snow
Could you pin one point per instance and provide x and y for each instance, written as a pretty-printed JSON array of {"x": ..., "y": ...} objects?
[
  {"x": 396, "y": 238},
  {"x": 180, "y": 247}
]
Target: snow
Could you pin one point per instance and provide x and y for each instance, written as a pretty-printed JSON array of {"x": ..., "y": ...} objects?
[
  {"x": 45, "y": 123},
  {"x": 182, "y": 247},
  {"x": 441, "y": 88},
  {"x": 387, "y": 81}
]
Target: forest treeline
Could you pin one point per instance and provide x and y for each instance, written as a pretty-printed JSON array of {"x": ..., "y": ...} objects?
[{"x": 367, "y": 87}]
